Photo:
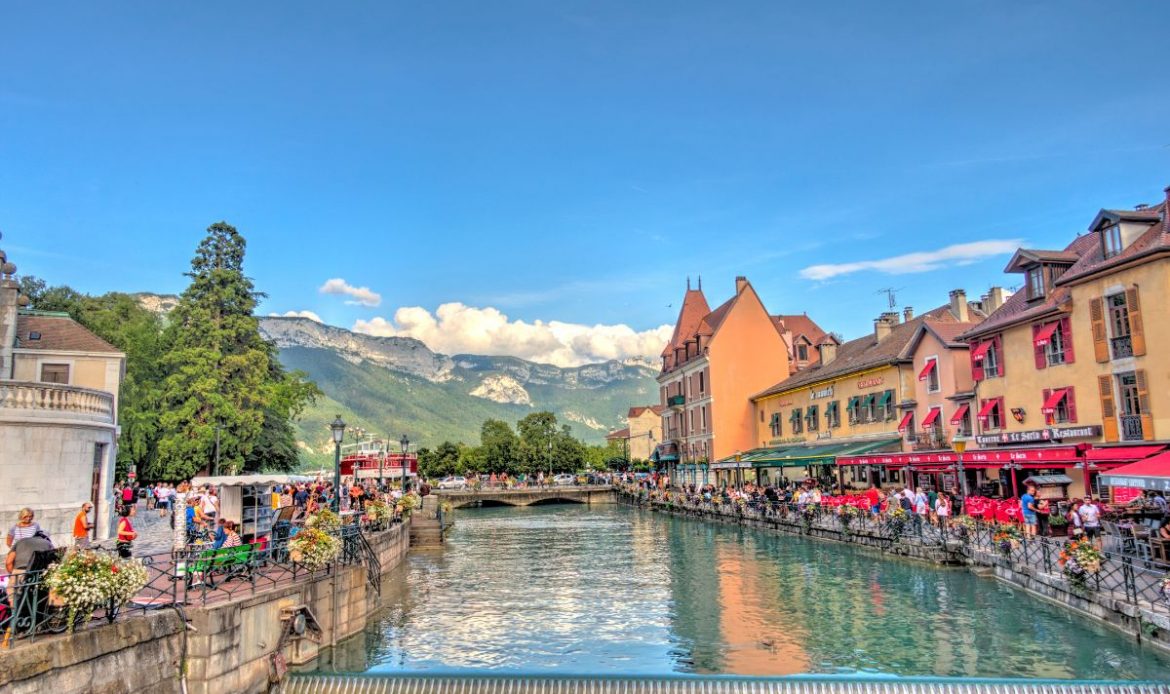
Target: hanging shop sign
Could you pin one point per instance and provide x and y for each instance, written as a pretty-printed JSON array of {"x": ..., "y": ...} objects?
[{"x": 1039, "y": 435}]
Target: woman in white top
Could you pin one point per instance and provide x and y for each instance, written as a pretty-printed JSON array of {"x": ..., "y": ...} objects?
[{"x": 942, "y": 508}]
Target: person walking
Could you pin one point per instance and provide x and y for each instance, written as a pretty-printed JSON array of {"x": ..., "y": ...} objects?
[
  {"x": 126, "y": 533},
  {"x": 1028, "y": 509},
  {"x": 25, "y": 527},
  {"x": 82, "y": 527},
  {"x": 1090, "y": 513}
]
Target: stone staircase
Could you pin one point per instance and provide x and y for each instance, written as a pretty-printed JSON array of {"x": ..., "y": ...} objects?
[{"x": 425, "y": 530}]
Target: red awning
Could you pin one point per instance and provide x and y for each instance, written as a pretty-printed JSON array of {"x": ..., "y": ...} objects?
[
  {"x": 957, "y": 418},
  {"x": 981, "y": 351},
  {"x": 1045, "y": 333},
  {"x": 988, "y": 406},
  {"x": 931, "y": 416},
  {"x": 905, "y": 421},
  {"x": 1053, "y": 400},
  {"x": 981, "y": 458},
  {"x": 897, "y": 460},
  {"x": 1121, "y": 453},
  {"x": 925, "y": 373},
  {"x": 1151, "y": 473}
]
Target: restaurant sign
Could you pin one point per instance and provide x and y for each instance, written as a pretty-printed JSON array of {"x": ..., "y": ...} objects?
[
  {"x": 870, "y": 382},
  {"x": 1059, "y": 455},
  {"x": 1039, "y": 435},
  {"x": 826, "y": 392}
]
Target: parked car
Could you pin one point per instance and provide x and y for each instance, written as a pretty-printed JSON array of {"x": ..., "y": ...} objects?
[
  {"x": 564, "y": 480},
  {"x": 453, "y": 482}
]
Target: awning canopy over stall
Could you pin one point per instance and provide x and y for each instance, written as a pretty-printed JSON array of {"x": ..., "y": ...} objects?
[{"x": 1151, "y": 473}]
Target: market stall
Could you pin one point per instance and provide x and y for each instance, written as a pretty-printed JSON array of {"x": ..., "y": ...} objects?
[{"x": 248, "y": 498}]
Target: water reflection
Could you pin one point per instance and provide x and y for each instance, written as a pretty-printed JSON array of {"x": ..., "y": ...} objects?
[{"x": 610, "y": 590}]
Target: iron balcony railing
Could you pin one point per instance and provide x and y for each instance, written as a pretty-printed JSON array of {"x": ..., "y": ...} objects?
[
  {"x": 676, "y": 401},
  {"x": 1122, "y": 347},
  {"x": 1131, "y": 427}
]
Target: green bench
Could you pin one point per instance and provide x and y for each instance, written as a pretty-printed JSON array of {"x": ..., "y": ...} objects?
[{"x": 215, "y": 566}]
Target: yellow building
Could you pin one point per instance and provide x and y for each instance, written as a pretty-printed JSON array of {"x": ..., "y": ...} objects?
[
  {"x": 1069, "y": 367},
  {"x": 860, "y": 398},
  {"x": 643, "y": 433}
]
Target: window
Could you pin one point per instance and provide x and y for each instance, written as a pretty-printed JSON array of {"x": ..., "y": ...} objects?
[
  {"x": 991, "y": 362},
  {"x": 1036, "y": 282},
  {"x": 962, "y": 420},
  {"x": 995, "y": 415},
  {"x": 774, "y": 424},
  {"x": 886, "y": 403},
  {"x": 702, "y": 385},
  {"x": 802, "y": 352},
  {"x": 1059, "y": 406},
  {"x": 812, "y": 418},
  {"x": 854, "y": 409},
  {"x": 833, "y": 415},
  {"x": 703, "y": 419},
  {"x": 869, "y": 409},
  {"x": 932, "y": 382},
  {"x": 1054, "y": 350},
  {"x": 55, "y": 373},
  {"x": 1111, "y": 240},
  {"x": 797, "y": 421}
]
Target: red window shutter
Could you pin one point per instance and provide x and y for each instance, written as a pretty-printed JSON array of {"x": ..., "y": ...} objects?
[
  {"x": 1039, "y": 351},
  {"x": 1070, "y": 401},
  {"x": 1000, "y": 357},
  {"x": 1048, "y": 418},
  {"x": 976, "y": 366},
  {"x": 1066, "y": 337},
  {"x": 1003, "y": 413}
]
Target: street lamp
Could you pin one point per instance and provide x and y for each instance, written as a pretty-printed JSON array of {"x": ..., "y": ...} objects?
[
  {"x": 338, "y": 428},
  {"x": 960, "y": 445},
  {"x": 405, "y": 442}
]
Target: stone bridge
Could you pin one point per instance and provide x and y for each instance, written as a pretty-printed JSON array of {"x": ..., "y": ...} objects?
[{"x": 579, "y": 494}]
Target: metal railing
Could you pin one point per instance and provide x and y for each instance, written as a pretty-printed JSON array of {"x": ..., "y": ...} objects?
[
  {"x": 1129, "y": 578},
  {"x": 1131, "y": 427},
  {"x": 1122, "y": 347},
  {"x": 193, "y": 576}
]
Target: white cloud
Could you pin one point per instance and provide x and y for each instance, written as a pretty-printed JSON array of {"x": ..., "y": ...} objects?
[
  {"x": 456, "y": 328},
  {"x": 923, "y": 261},
  {"x": 359, "y": 296},
  {"x": 298, "y": 314}
]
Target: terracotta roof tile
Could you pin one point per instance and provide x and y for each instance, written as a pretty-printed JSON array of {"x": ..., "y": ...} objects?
[
  {"x": 694, "y": 309},
  {"x": 801, "y": 324},
  {"x": 638, "y": 411},
  {"x": 1093, "y": 259},
  {"x": 866, "y": 352},
  {"x": 619, "y": 434},
  {"x": 57, "y": 334}
]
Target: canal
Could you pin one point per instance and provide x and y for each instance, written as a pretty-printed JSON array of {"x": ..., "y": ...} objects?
[{"x": 571, "y": 589}]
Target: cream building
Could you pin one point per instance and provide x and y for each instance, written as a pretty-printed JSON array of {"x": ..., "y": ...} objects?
[
  {"x": 58, "y": 416},
  {"x": 643, "y": 433}
]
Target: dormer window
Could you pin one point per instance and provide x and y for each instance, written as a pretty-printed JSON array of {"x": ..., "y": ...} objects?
[
  {"x": 1036, "y": 282},
  {"x": 1111, "y": 240}
]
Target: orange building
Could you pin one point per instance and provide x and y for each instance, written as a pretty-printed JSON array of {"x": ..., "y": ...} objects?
[{"x": 715, "y": 361}]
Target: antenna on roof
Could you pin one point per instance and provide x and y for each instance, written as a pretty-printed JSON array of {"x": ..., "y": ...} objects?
[
  {"x": 700, "y": 283},
  {"x": 688, "y": 283},
  {"x": 891, "y": 298}
]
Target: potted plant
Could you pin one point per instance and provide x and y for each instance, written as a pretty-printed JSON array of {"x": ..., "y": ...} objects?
[
  {"x": 313, "y": 548},
  {"x": 1079, "y": 560},
  {"x": 325, "y": 520},
  {"x": 83, "y": 581}
]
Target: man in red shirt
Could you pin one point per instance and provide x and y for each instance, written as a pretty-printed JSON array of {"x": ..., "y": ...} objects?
[{"x": 874, "y": 498}]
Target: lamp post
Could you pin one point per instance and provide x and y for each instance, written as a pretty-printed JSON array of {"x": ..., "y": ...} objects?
[
  {"x": 405, "y": 442},
  {"x": 382, "y": 463},
  {"x": 338, "y": 429},
  {"x": 215, "y": 466},
  {"x": 960, "y": 445}
]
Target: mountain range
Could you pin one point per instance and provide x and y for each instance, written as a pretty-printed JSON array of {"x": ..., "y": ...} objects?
[{"x": 397, "y": 385}]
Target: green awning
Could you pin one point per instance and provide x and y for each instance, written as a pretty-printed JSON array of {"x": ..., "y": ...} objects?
[
  {"x": 867, "y": 400},
  {"x": 825, "y": 454},
  {"x": 884, "y": 398},
  {"x": 854, "y": 402},
  {"x": 831, "y": 407}
]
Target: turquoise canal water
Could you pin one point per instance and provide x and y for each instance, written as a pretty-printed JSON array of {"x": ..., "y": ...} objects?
[{"x": 613, "y": 590}]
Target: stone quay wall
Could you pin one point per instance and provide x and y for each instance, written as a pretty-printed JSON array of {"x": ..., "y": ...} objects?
[
  {"x": 228, "y": 648},
  {"x": 1141, "y": 616}
]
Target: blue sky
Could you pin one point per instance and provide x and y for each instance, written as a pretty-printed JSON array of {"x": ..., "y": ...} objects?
[{"x": 571, "y": 162}]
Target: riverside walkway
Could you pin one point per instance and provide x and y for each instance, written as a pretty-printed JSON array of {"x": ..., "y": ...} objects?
[{"x": 527, "y": 496}]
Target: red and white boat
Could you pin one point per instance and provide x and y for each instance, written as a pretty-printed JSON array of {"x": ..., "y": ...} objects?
[{"x": 370, "y": 460}]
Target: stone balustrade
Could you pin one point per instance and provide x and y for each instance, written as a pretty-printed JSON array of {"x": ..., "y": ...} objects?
[{"x": 23, "y": 399}]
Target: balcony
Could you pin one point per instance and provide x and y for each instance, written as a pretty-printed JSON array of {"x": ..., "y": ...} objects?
[
  {"x": 1122, "y": 347},
  {"x": 929, "y": 440},
  {"x": 676, "y": 401},
  {"x": 1131, "y": 427},
  {"x": 26, "y": 401}
]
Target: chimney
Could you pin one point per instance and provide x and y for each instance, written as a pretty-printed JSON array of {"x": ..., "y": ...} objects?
[
  {"x": 994, "y": 300},
  {"x": 740, "y": 283},
  {"x": 959, "y": 305},
  {"x": 908, "y": 314},
  {"x": 884, "y": 324},
  {"x": 827, "y": 351}
]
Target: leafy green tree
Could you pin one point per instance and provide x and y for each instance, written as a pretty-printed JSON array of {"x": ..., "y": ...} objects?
[
  {"x": 568, "y": 452},
  {"x": 218, "y": 366},
  {"x": 471, "y": 460},
  {"x": 500, "y": 446},
  {"x": 535, "y": 431}
]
